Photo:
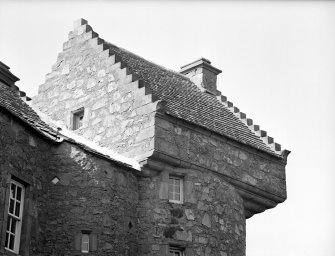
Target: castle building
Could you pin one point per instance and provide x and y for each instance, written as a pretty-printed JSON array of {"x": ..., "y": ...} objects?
[{"x": 117, "y": 155}]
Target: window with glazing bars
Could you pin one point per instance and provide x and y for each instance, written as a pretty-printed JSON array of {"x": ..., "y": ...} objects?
[
  {"x": 174, "y": 251},
  {"x": 175, "y": 189},
  {"x": 85, "y": 242},
  {"x": 14, "y": 217}
]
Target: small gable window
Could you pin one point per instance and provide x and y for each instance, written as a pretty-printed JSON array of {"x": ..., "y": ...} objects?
[
  {"x": 77, "y": 119},
  {"x": 14, "y": 217},
  {"x": 175, "y": 189}
]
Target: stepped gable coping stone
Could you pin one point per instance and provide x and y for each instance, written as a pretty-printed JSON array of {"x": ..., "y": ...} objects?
[
  {"x": 184, "y": 100},
  {"x": 276, "y": 147},
  {"x": 181, "y": 98}
]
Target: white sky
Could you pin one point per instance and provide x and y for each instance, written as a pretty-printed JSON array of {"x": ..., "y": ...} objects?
[{"x": 278, "y": 62}]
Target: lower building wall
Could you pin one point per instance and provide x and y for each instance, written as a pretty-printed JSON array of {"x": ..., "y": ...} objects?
[
  {"x": 24, "y": 156},
  {"x": 209, "y": 221},
  {"x": 90, "y": 196},
  {"x": 95, "y": 197},
  {"x": 70, "y": 193}
]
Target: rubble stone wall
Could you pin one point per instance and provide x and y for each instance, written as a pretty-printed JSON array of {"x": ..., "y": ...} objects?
[
  {"x": 93, "y": 195},
  {"x": 23, "y": 156},
  {"x": 199, "y": 147},
  {"x": 117, "y": 113},
  {"x": 209, "y": 222}
]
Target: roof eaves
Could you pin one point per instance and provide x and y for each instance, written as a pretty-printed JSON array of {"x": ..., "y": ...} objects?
[
  {"x": 283, "y": 154},
  {"x": 271, "y": 146},
  {"x": 33, "y": 126},
  {"x": 97, "y": 153}
]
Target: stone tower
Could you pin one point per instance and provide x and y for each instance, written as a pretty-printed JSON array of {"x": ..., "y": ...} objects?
[{"x": 205, "y": 167}]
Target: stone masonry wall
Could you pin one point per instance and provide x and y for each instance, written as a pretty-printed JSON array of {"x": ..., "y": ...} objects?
[
  {"x": 118, "y": 113},
  {"x": 210, "y": 222},
  {"x": 92, "y": 195},
  {"x": 216, "y": 153},
  {"x": 25, "y": 156}
]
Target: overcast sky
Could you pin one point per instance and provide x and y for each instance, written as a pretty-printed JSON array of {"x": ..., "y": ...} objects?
[{"x": 278, "y": 62}]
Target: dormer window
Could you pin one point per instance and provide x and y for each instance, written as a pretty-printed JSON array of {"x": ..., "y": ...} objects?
[{"x": 78, "y": 119}]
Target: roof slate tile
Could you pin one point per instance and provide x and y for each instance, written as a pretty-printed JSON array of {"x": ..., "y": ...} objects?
[
  {"x": 184, "y": 100},
  {"x": 10, "y": 101}
]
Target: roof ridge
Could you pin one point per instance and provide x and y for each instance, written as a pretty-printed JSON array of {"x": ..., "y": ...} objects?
[
  {"x": 268, "y": 141},
  {"x": 151, "y": 62}
]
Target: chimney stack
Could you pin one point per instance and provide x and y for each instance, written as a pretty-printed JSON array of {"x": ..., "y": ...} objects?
[
  {"x": 203, "y": 74},
  {"x": 6, "y": 77}
]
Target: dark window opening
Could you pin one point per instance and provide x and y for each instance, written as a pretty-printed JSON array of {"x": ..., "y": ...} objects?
[
  {"x": 78, "y": 119},
  {"x": 176, "y": 251}
]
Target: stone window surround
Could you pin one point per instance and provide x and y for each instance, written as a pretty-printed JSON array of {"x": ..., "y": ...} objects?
[
  {"x": 181, "y": 186},
  {"x": 85, "y": 239},
  {"x": 185, "y": 248},
  {"x": 176, "y": 250},
  {"x": 188, "y": 193},
  {"x": 78, "y": 241},
  {"x": 26, "y": 182}
]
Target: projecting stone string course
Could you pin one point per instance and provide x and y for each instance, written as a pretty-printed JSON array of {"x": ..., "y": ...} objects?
[{"x": 249, "y": 122}]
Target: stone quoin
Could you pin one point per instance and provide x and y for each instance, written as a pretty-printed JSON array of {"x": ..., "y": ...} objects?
[{"x": 117, "y": 155}]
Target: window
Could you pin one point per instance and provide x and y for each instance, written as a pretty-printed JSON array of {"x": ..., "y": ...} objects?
[
  {"x": 175, "y": 251},
  {"x": 77, "y": 119},
  {"x": 175, "y": 189},
  {"x": 14, "y": 218},
  {"x": 85, "y": 242}
]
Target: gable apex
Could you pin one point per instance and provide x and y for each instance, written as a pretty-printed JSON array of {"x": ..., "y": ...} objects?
[
  {"x": 183, "y": 98},
  {"x": 79, "y": 22}
]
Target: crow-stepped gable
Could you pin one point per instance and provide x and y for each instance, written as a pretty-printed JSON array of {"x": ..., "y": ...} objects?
[{"x": 121, "y": 156}]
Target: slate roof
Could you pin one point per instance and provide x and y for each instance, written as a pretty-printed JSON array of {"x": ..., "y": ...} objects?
[
  {"x": 184, "y": 100},
  {"x": 10, "y": 101}
]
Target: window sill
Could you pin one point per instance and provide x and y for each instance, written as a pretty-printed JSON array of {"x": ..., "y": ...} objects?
[
  {"x": 175, "y": 202},
  {"x": 9, "y": 252}
]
